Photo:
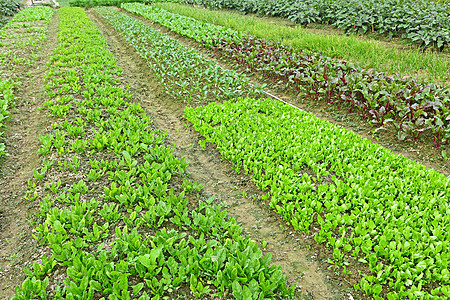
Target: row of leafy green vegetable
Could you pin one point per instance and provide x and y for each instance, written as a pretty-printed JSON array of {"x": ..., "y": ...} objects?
[
  {"x": 180, "y": 69},
  {"x": 8, "y": 8},
  {"x": 21, "y": 39},
  {"x": 409, "y": 108},
  {"x": 118, "y": 214},
  {"x": 423, "y": 22},
  {"x": 7, "y": 100},
  {"x": 11, "y": 44},
  {"x": 357, "y": 197}
]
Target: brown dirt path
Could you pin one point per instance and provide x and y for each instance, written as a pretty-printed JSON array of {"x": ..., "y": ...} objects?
[
  {"x": 17, "y": 247},
  {"x": 302, "y": 266}
]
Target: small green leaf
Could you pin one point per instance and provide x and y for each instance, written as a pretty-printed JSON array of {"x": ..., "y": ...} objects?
[
  {"x": 137, "y": 288},
  {"x": 237, "y": 290}
]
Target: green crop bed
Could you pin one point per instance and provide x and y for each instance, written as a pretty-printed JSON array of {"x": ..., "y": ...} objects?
[
  {"x": 358, "y": 198},
  {"x": 119, "y": 217},
  {"x": 20, "y": 39}
]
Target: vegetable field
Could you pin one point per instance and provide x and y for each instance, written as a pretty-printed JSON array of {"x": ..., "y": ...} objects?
[{"x": 149, "y": 155}]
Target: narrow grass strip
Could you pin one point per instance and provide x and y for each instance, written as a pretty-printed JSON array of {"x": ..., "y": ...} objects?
[{"x": 368, "y": 53}]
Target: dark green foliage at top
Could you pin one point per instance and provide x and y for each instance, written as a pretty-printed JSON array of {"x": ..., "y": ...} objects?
[
  {"x": 8, "y": 8},
  {"x": 423, "y": 22}
]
